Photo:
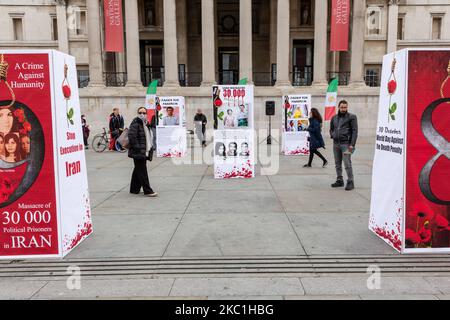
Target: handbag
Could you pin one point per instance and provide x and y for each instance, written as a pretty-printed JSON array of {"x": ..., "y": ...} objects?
[{"x": 123, "y": 139}]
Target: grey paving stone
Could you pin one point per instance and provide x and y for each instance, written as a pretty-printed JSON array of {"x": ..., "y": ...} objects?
[
  {"x": 440, "y": 283},
  {"x": 234, "y": 201},
  {"x": 216, "y": 287},
  {"x": 128, "y": 236},
  {"x": 91, "y": 289},
  {"x": 98, "y": 198},
  {"x": 323, "y": 297},
  {"x": 243, "y": 298},
  {"x": 19, "y": 289},
  {"x": 351, "y": 285},
  {"x": 337, "y": 233},
  {"x": 312, "y": 182},
  {"x": 109, "y": 179},
  {"x": 178, "y": 171},
  {"x": 399, "y": 297},
  {"x": 234, "y": 234},
  {"x": 165, "y": 184},
  {"x": 258, "y": 183},
  {"x": 170, "y": 201}
]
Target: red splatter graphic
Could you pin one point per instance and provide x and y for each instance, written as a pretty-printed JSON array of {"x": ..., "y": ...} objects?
[
  {"x": 172, "y": 154},
  {"x": 245, "y": 172},
  {"x": 83, "y": 230},
  {"x": 392, "y": 234},
  {"x": 10, "y": 180},
  {"x": 298, "y": 151}
]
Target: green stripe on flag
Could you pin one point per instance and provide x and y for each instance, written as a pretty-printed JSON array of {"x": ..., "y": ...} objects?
[
  {"x": 242, "y": 82},
  {"x": 152, "y": 87},
  {"x": 333, "y": 87}
]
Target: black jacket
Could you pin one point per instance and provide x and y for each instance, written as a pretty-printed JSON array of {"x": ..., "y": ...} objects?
[
  {"x": 116, "y": 124},
  {"x": 315, "y": 134},
  {"x": 344, "y": 129},
  {"x": 202, "y": 118},
  {"x": 136, "y": 137}
]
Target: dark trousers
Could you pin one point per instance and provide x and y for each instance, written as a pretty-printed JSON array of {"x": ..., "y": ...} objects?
[
  {"x": 340, "y": 156},
  {"x": 139, "y": 179},
  {"x": 312, "y": 152}
]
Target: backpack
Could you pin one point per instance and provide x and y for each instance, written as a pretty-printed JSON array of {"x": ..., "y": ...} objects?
[{"x": 123, "y": 139}]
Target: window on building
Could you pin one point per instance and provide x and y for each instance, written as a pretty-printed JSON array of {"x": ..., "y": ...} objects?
[
  {"x": 81, "y": 23},
  {"x": 18, "y": 28},
  {"x": 150, "y": 13},
  {"x": 436, "y": 28},
  {"x": 372, "y": 76},
  {"x": 401, "y": 28},
  {"x": 305, "y": 9},
  {"x": 54, "y": 28},
  {"x": 374, "y": 18}
]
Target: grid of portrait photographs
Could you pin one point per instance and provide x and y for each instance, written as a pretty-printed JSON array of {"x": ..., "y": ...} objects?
[
  {"x": 232, "y": 149},
  {"x": 296, "y": 114},
  {"x": 14, "y": 135},
  {"x": 232, "y": 108}
]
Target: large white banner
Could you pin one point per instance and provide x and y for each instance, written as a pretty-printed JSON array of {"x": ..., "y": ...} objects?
[{"x": 295, "y": 121}]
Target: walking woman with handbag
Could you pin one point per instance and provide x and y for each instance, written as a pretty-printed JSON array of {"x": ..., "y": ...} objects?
[
  {"x": 141, "y": 150},
  {"x": 315, "y": 138}
]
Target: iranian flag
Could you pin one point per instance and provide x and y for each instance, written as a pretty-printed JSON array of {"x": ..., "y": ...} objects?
[
  {"x": 150, "y": 99},
  {"x": 331, "y": 100}
]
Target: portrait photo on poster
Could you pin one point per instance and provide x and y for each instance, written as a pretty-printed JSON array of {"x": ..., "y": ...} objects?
[{"x": 22, "y": 150}]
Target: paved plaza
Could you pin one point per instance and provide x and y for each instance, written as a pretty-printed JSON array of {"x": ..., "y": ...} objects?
[{"x": 283, "y": 236}]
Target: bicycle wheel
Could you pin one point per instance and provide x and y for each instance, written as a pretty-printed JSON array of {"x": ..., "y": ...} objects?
[
  {"x": 99, "y": 143},
  {"x": 119, "y": 148}
]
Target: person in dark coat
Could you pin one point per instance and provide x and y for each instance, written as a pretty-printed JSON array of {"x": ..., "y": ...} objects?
[
  {"x": 140, "y": 150},
  {"x": 86, "y": 131},
  {"x": 116, "y": 125},
  {"x": 200, "y": 117},
  {"x": 315, "y": 138}
]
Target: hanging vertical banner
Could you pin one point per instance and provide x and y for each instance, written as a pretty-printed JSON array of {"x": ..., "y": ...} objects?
[
  {"x": 295, "y": 121},
  {"x": 340, "y": 23},
  {"x": 44, "y": 198},
  {"x": 113, "y": 25},
  {"x": 233, "y": 136},
  {"x": 410, "y": 207}
]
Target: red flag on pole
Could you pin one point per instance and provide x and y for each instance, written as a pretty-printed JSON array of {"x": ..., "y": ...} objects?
[
  {"x": 340, "y": 23},
  {"x": 113, "y": 25}
]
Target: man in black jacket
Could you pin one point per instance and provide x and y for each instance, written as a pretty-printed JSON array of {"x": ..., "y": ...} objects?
[
  {"x": 200, "y": 117},
  {"x": 344, "y": 132},
  {"x": 116, "y": 125}
]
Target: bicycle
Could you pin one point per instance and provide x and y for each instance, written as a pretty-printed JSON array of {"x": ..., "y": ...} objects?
[{"x": 101, "y": 142}]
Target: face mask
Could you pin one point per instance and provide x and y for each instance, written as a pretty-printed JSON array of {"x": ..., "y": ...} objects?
[{"x": 143, "y": 117}]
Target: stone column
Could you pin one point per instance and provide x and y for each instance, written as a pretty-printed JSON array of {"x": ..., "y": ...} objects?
[
  {"x": 358, "y": 30},
  {"x": 245, "y": 40},
  {"x": 320, "y": 42},
  {"x": 392, "y": 26},
  {"x": 170, "y": 44},
  {"x": 132, "y": 38},
  {"x": 283, "y": 43},
  {"x": 182, "y": 33},
  {"x": 95, "y": 49},
  {"x": 208, "y": 44},
  {"x": 273, "y": 32},
  {"x": 61, "y": 17}
]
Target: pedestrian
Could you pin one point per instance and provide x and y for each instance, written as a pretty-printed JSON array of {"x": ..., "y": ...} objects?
[
  {"x": 344, "y": 132},
  {"x": 140, "y": 150},
  {"x": 86, "y": 131},
  {"x": 201, "y": 119},
  {"x": 315, "y": 138},
  {"x": 116, "y": 125}
]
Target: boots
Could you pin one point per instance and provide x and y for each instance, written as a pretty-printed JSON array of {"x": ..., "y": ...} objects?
[
  {"x": 339, "y": 183},
  {"x": 350, "y": 186}
]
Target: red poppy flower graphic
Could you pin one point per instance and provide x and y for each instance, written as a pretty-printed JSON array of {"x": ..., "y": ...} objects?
[
  {"x": 441, "y": 222},
  {"x": 425, "y": 235},
  {"x": 412, "y": 237},
  {"x": 27, "y": 126},
  {"x": 392, "y": 86},
  {"x": 422, "y": 211}
]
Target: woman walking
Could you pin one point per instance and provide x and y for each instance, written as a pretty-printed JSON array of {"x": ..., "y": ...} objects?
[
  {"x": 315, "y": 138},
  {"x": 141, "y": 150}
]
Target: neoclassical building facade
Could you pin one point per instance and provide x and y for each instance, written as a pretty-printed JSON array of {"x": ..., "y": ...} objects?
[{"x": 280, "y": 46}]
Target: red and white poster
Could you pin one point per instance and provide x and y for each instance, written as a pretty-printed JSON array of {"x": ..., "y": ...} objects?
[
  {"x": 295, "y": 121},
  {"x": 234, "y": 151},
  {"x": 44, "y": 203},
  {"x": 171, "y": 138},
  {"x": 113, "y": 25},
  {"x": 340, "y": 23},
  {"x": 410, "y": 206}
]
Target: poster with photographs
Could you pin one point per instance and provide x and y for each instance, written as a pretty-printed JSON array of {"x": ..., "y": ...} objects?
[
  {"x": 233, "y": 107},
  {"x": 295, "y": 121},
  {"x": 233, "y": 136},
  {"x": 44, "y": 198},
  {"x": 233, "y": 154},
  {"x": 171, "y": 138}
]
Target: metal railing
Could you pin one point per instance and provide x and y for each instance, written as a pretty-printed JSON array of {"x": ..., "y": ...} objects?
[
  {"x": 83, "y": 78},
  {"x": 302, "y": 76},
  {"x": 228, "y": 76},
  {"x": 342, "y": 76},
  {"x": 150, "y": 73},
  {"x": 115, "y": 79},
  {"x": 190, "y": 79}
]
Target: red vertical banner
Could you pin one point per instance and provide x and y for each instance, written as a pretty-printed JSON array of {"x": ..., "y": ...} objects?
[
  {"x": 340, "y": 23},
  {"x": 113, "y": 25}
]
